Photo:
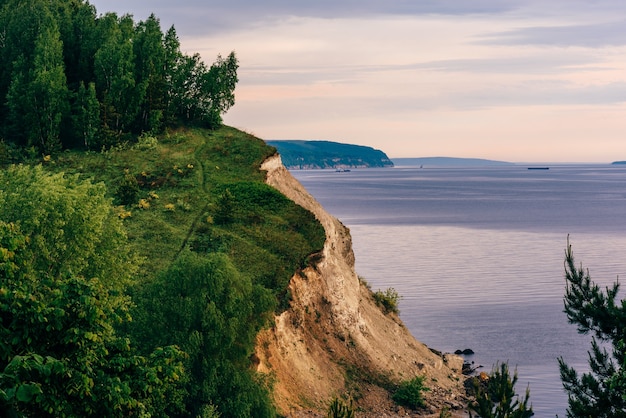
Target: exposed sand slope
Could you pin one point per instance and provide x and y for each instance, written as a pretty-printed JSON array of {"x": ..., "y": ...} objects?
[{"x": 335, "y": 341}]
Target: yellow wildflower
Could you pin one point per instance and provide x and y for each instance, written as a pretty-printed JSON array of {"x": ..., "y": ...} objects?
[{"x": 122, "y": 213}]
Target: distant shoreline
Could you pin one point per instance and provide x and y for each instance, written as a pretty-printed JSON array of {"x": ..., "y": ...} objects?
[{"x": 448, "y": 162}]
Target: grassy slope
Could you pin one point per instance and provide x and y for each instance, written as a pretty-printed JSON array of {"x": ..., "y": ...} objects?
[{"x": 181, "y": 177}]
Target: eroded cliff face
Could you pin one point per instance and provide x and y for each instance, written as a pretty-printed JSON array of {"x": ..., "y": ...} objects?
[{"x": 335, "y": 341}]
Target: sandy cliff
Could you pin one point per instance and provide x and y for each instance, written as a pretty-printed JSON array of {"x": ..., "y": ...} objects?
[{"x": 335, "y": 341}]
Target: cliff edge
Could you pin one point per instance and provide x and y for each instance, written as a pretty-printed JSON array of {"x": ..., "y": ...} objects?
[{"x": 334, "y": 341}]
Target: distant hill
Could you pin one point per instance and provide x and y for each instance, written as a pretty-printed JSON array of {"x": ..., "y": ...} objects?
[
  {"x": 299, "y": 154},
  {"x": 618, "y": 162},
  {"x": 447, "y": 162}
]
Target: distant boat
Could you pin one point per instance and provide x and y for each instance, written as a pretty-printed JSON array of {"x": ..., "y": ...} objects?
[
  {"x": 342, "y": 170},
  {"x": 538, "y": 168}
]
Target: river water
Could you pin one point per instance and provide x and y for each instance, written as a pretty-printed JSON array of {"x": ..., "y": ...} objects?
[{"x": 477, "y": 255}]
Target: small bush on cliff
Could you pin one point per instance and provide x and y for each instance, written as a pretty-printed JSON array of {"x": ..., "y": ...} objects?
[
  {"x": 410, "y": 393},
  {"x": 339, "y": 409},
  {"x": 387, "y": 300}
]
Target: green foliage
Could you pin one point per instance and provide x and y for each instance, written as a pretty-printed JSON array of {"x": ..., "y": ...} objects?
[
  {"x": 410, "y": 393},
  {"x": 387, "y": 300},
  {"x": 208, "y": 411},
  {"x": 326, "y": 154},
  {"x": 601, "y": 391},
  {"x": 146, "y": 142},
  {"x": 32, "y": 88},
  {"x": 225, "y": 212},
  {"x": 496, "y": 398},
  {"x": 9, "y": 153},
  {"x": 272, "y": 231},
  {"x": 217, "y": 313},
  {"x": 127, "y": 189},
  {"x": 63, "y": 267},
  {"x": 339, "y": 409},
  {"x": 87, "y": 115},
  {"x": 248, "y": 262},
  {"x": 47, "y": 92},
  {"x": 70, "y": 224},
  {"x": 75, "y": 79}
]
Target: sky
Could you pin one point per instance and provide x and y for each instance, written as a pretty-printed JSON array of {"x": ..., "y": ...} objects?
[{"x": 512, "y": 80}]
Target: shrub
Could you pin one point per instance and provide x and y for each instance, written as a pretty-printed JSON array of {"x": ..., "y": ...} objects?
[
  {"x": 146, "y": 142},
  {"x": 387, "y": 300},
  {"x": 127, "y": 189},
  {"x": 364, "y": 282},
  {"x": 339, "y": 409},
  {"x": 409, "y": 393},
  {"x": 9, "y": 153},
  {"x": 225, "y": 212},
  {"x": 496, "y": 397}
]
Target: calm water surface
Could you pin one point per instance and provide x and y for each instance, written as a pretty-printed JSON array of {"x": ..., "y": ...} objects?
[{"x": 477, "y": 255}]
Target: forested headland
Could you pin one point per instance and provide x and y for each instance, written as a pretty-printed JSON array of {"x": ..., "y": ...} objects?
[
  {"x": 140, "y": 249},
  {"x": 298, "y": 154}
]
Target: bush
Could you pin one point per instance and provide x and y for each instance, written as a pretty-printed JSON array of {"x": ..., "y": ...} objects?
[
  {"x": 338, "y": 409},
  {"x": 9, "y": 153},
  {"x": 410, "y": 392},
  {"x": 387, "y": 300},
  {"x": 127, "y": 189},
  {"x": 496, "y": 397},
  {"x": 146, "y": 142}
]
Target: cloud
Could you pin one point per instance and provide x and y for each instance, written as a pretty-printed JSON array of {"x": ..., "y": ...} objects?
[
  {"x": 537, "y": 63},
  {"x": 603, "y": 34},
  {"x": 543, "y": 93},
  {"x": 543, "y": 65},
  {"x": 321, "y": 8},
  {"x": 196, "y": 17}
]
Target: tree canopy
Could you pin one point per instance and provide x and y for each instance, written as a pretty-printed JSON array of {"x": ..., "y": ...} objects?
[
  {"x": 601, "y": 392},
  {"x": 64, "y": 264},
  {"x": 71, "y": 78},
  {"x": 217, "y": 313}
]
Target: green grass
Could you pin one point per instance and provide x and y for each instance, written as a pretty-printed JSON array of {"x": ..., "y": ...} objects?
[
  {"x": 202, "y": 191},
  {"x": 180, "y": 178}
]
